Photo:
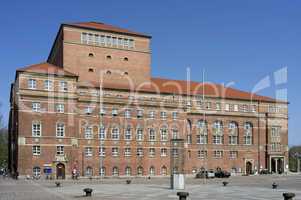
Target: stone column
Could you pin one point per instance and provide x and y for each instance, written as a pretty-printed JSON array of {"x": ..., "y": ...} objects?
[{"x": 276, "y": 165}]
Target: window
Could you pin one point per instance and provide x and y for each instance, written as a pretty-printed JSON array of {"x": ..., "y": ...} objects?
[
  {"x": 36, "y": 129},
  {"x": 163, "y": 171},
  {"x": 88, "y": 110},
  {"x": 128, "y": 133},
  {"x": 245, "y": 108},
  {"x": 235, "y": 107},
  {"x": 84, "y": 38},
  {"x": 139, "y": 113},
  {"x": 115, "y": 151},
  {"x": 175, "y": 152},
  {"x": 139, "y": 152},
  {"x": 152, "y": 152},
  {"x": 89, "y": 171},
  {"x": 152, "y": 114},
  {"x": 152, "y": 134},
  {"x": 36, "y": 107},
  {"x": 60, "y": 108},
  {"x": 48, "y": 85},
  {"x": 253, "y": 108},
  {"x": 202, "y": 154},
  {"x": 189, "y": 139},
  {"x": 275, "y": 131},
  {"x": 174, "y": 115},
  {"x": 102, "y": 171},
  {"x": 120, "y": 42},
  {"x": 217, "y": 132},
  {"x": 102, "y": 111},
  {"x": 102, "y": 40},
  {"x": 202, "y": 137},
  {"x": 108, "y": 41},
  {"x": 163, "y": 115},
  {"x": 32, "y": 84},
  {"x": 102, "y": 132},
  {"x": 102, "y": 151},
  {"x": 88, "y": 151},
  {"x": 60, "y": 150},
  {"x": 36, "y": 171},
  {"x": 218, "y": 106},
  {"x": 60, "y": 129},
  {"x": 127, "y": 152},
  {"x": 276, "y": 147},
  {"x": 115, "y": 133},
  {"x": 218, "y": 154},
  {"x": 248, "y": 133},
  {"x": 131, "y": 44},
  {"x": 36, "y": 150},
  {"x": 128, "y": 171},
  {"x": 114, "y": 112},
  {"x": 127, "y": 113},
  {"x": 139, "y": 134},
  {"x": 63, "y": 86},
  {"x": 115, "y": 171},
  {"x": 140, "y": 171},
  {"x": 227, "y": 107},
  {"x": 233, "y": 154},
  {"x": 88, "y": 132},
  {"x": 163, "y": 152},
  {"x": 126, "y": 43},
  {"x": 164, "y": 134},
  {"x": 233, "y": 133},
  {"x": 152, "y": 171},
  {"x": 175, "y": 133},
  {"x": 208, "y": 105},
  {"x": 115, "y": 43}
]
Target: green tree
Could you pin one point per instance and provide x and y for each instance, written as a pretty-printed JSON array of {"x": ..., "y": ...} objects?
[{"x": 292, "y": 159}]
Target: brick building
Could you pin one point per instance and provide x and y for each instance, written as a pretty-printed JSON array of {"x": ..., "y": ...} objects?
[{"x": 94, "y": 107}]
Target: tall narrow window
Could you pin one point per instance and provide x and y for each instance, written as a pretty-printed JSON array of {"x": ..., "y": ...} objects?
[
  {"x": 102, "y": 132},
  {"x": 115, "y": 133},
  {"x": 248, "y": 133},
  {"x": 36, "y": 107},
  {"x": 63, "y": 86},
  {"x": 152, "y": 134},
  {"x": 60, "y": 150},
  {"x": 88, "y": 151},
  {"x": 139, "y": 134},
  {"x": 32, "y": 84},
  {"x": 36, "y": 150},
  {"x": 36, "y": 129},
  {"x": 218, "y": 132},
  {"x": 60, "y": 129},
  {"x": 128, "y": 133},
  {"x": 164, "y": 134},
  {"x": 202, "y": 137},
  {"x": 233, "y": 133},
  {"x": 48, "y": 85},
  {"x": 88, "y": 132},
  {"x": 115, "y": 151}
]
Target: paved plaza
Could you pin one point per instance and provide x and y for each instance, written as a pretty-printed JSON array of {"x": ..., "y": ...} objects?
[{"x": 253, "y": 188}]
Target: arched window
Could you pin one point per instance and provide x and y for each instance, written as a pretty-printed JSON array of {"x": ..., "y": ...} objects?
[
  {"x": 115, "y": 171},
  {"x": 248, "y": 133},
  {"x": 152, "y": 171},
  {"x": 115, "y": 133},
  {"x": 139, "y": 134},
  {"x": 128, "y": 133},
  {"x": 89, "y": 171},
  {"x": 102, "y": 171},
  {"x": 233, "y": 133},
  {"x": 218, "y": 132},
  {"x": 36, "y": 171},
  {"x": 202, "y": 136},
  {"x": 140, "y": 171},
  {"x": 152, "y": 134},
  {"x": 164, "y": 133},
  {"x": 128, "y": 171},
  {"x": 164, "y": 171}
]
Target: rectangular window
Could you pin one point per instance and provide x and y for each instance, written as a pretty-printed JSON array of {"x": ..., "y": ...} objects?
[
  {"x": 217, "y": 139},
  {"x": 115, "y": 43},
  {"x": 36, "y": 150},
  {"x": 131, "y": 43},
  {"x": 115, "y": 151},
  {"x": 127, "y": 113},
  {"x": 126, "y": 43},
  {"x": 127, "y": 152},
  {"x": 88, "y": 110},
  {"x": 152, "y": 135},
  {"x": 152, "y": 114},
  {"x": 235, "y": 107},
  {"x": 97, "y": 39},
  {"x": 208, "y": 105},
  {"x": 88, "y": 132},
  {"x": 60, "y": 130},
  {"x": 139, "y": 152},
  {"x": 48, "y": 85},
  {"x": 202, "y": 139},
  {"x": 90, "y": 39},
  {"x": 102, "y": 132},
  {"x": 218, "y": 106},
  {"x": 60, "y": 150},
  {"x": 60, "y": 108},
  {"x": 218, "y": 154},
  {"x": 245, "y": 108},
  {"x": 139, "y": 134},
  {"x": 63, "y": 86},
  {"x": 32, "y": 84},
  {"x": 114, "y": 112},
  {"x": 102, "y": 40},
  {"x": 163, "y": 152},
  {"x": 88, "y": 151},
  {"x": 108, "y": 41},
  {"x": 152, "y": 152},
  {"x": 227, "y": 107},
  {"x": 233, "y": 139},
  {"x": 84, "y": 38},
  {"x": 128, "y": 134},
  {"x": 175, "y": 152},
  {"x": 102, "y": 151},
  {"x": 36, "y": 129},
  {"x": 202, "y": 154},
  {"x": 233, "y": 154},
  {"x": 174, "y": 115},
  {"x": 36, "y": 107},
  {"x": 115, "y": 134},
  {"x": 120, "y": 42},
  {"x": 163, "y": 115},
  {"x": 139, "y": 113}
]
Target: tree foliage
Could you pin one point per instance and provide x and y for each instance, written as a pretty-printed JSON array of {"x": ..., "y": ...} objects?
[{"x": 293, "y": 162}]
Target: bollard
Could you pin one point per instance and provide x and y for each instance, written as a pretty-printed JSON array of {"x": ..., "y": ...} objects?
[
  {"x": 288, "y": 196},
  {"x": 128, "y": 182},
  {"x": 58, "y": 184},
  {"x": 274, "y": 185},
  {"x": 88, "y": 192},
  {"x": 183, "y": 195},
  {"x": 225, "y": 183}
]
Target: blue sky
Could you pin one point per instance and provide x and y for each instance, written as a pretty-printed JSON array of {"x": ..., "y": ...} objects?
[{"x": 242, "y": 41}]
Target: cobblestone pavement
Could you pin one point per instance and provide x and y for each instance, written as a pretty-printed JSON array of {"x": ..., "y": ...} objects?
[{"x": 253, "y": 188}]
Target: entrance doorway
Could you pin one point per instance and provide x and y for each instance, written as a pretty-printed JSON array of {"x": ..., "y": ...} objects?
[
  {"x": 248, "y": 168},
  {"x": 60, "y": 171},
  {"x": 277, "y": 165}
]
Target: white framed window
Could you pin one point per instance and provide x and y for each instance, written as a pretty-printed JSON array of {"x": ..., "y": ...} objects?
[
  {"x": 245, "y": 108},
  {"x": 89, "y": 171},
  {"x": 217, "y": 139},
  {"x": 139, "y": 134},
  {"x": 127, "y": 152},
  {"x": 152, "y": 171},
  {"x": 131, "y": 44},
  {"x": 36, "y": 107},
  {"x": 202, "y": 137},
  {"x": 32, "y": 84},
  {"x": 88, "y": 151},
  {"x": 102, "y": 132},
  {"x": 120, "y": 42},
  {"x": 36, "y": 171},
  {"x": 115, "y": 133},
  {"x": 102, "y": 151},
  {"x": 115, "y": 42},
  {"x": 36, "y": 150},
  {"x": 48, "y": 85},
  {"x": 139, "y": 152},
  {"x": 152, "y": 114},
  {"x": 253, "y": 108},
  {"x": 88, "y": 110},
  {"x": 152, "y": 134},
  {"x": 114, "y": 111},
  {"x": 248, "y": 133},
  {"x": 60, "y": 150},
  {"x": 127, "y": 113},
  {"x": 164, "y": 134},
  {"x": 163, "y": 115},
  {"x": 97, "y": 39},
  {"x": 175, "y": 133},
  {"x": 218, "y": 154},
  {"x": 233, "y": 154},
  {"x": 90, "y": 38},
  {"x": 88, "y": 132},
  {"x": 175, "y": 152},
  {"x": 60, "y": 108},
  {"x": 202, "y": 154},
  {"x": 233, "y": 133},
  {"x": 227, "y": 107},
  {"x": 164, "y": 171},
  {"x": 60, "y": 129},
  {"x": 152, "y": 152},
  {"x": 115, "y": 151},
  {"x": 63, "y": 86},
  {"x": 128, "y": 133},
  {"x": 163, "y": 152},
  {"x": 102, "y": 40},
  {"x": 128, "y": 171},
  {"x": 126, "y": 43},
  {"x": 108, "y": 41},
  {"x": 115, "y": 171},
  {"x": 174, "y": 115},
  {"x": 140, "y": 171},
  {"x": 218, "y": 106},
  {"x": 208, "y": 105},
  {"x": 235, "y": 107},
  {"x": 102, "y": 171},
  {"x": 139, "y": 113},
  {"x": 84, "y": 38},
  {"x": 218, "y": 132},
  {"x": 36, "y": 129}
]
